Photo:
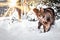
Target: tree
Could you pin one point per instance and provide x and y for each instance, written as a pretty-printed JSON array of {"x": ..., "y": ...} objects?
[{"x": 55, "y": 1}]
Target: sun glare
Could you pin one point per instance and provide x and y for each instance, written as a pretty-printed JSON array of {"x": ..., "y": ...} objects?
[{"x": 12, "y": 3}]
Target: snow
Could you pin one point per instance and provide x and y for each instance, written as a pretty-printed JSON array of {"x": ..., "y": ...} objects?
[
  {"x": 41, "y": 5},
  {"x": 27, "y": 30},
  {"x": 31, "y": 15}
]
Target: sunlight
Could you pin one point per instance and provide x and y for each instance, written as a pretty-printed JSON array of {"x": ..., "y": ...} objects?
[{"x": 12, "y": 3}]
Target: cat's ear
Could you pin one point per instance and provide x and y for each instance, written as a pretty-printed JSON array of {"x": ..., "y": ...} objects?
[
  {"x": 36, "y": 10},
  {"x": 41, "y": 10}
]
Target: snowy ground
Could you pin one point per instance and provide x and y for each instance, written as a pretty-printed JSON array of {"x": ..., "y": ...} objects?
[{"x": 27, "y": 30}]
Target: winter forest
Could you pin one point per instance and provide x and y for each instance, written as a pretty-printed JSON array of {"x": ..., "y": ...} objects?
[{"x": 29, "y": 19}]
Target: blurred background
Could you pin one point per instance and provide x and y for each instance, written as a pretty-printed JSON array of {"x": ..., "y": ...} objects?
[{"x": 55, "y": 4}]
